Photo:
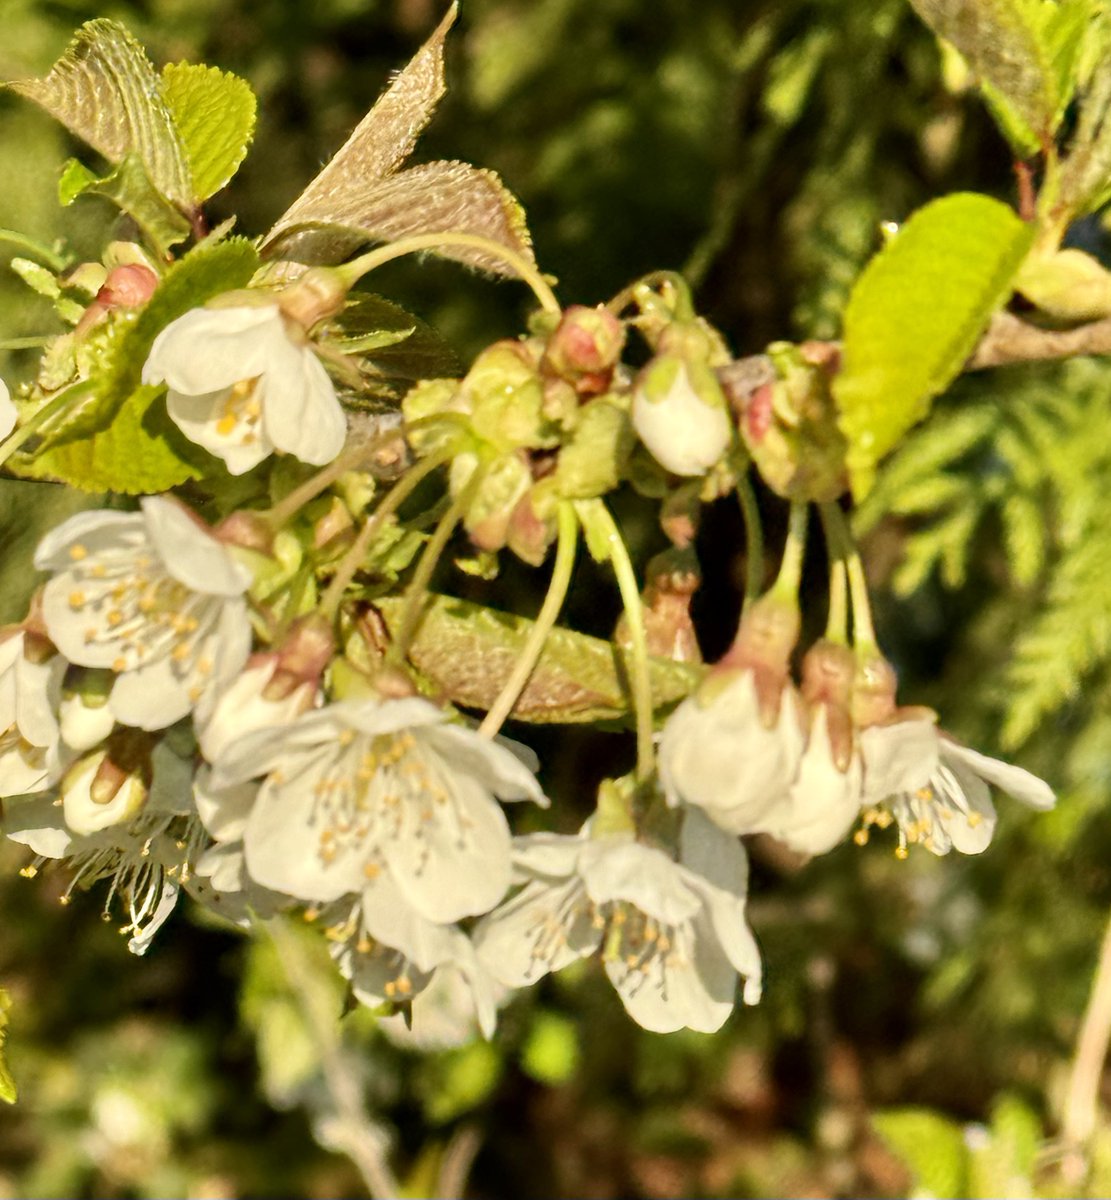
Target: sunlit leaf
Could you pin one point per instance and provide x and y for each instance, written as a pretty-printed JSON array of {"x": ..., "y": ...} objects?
[
  {"x": 7, "y": 1083},
  {"x": 932, "y": 1147},
  {"x": 214, "y": 112},
  {"x": 914, "y": 316}
]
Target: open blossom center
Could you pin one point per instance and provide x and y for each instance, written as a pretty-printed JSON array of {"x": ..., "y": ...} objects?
[
  {"x": 380, "y": 788},
  {"x": 923, "y": 816}
]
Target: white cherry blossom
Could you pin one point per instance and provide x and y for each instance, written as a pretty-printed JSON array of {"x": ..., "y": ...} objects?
[
  {"x": 251, "y": 702},
  {"x": 672, "y": 935},
  {"x": 679, "y": 413},
  {"x": 30, "y": 754},
  {"x": 361, "y": 788},
  {"x": 146, "y": 858},
  {"x": 155, "y": 598},
  {"x": 244, "y": 382},
  {"x": 391, "y": 953},
  {"x": 936, "y": 791},
  {"x": 824, "y": 800},
  {"x": 717, "y": 752}
]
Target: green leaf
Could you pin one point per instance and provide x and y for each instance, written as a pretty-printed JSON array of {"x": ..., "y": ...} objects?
[
  {"x": 141, "y": 451},
  {"x": 551, "y": 1053},
  {"x": 128, "y": 187},
  {"x": 214, "y": 112},
  {"x": 1005, "y": 1165},
  {"x": 407, "y": 348},
  {"x": 931, "y": 1145},
  {"x": 104, "y": 90},
  {"x": 208, "y": 270},
  {"x": 914, "y": 316},
  {"x": 1007, "y": 47},
  {"x": 7, "y": 1083},
  {"x": 469, "y": 651}
]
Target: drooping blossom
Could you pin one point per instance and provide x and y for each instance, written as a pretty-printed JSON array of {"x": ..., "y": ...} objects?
[
  {"x": 154, "y": 597},
  {"x": 244, "y": 382},
  {"x": 31, "y": 757},
  {"x": 680, "y": 414},
  {"x": 733, "y": 747},
  {"x": 391, "y": 954},
  {"x": 146, "y": 856},
  {"x": 936, "y": 791},
  {"x": 672, "y": 934},
  {"x": 361, "y": 788},
  {"x": 823, "y": 802}
]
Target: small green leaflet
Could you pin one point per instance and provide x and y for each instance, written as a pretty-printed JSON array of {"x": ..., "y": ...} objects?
[
  {"x": 468, "y": 651},
  {"x": 7, "y": 1083},
  {"x": 215, "y": 116},
  {"x": 141, "y": 451},
  {"x": 931, "y": 1145},
  {"x": 129, "y": 187},
  {"x": 915, "y": 315},
  {"x": 186, "y": 133}
]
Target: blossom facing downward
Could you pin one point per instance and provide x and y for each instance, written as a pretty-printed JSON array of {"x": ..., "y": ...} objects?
[
  {"x": 717, "y": 752},
  {"x": 30, "y": 754},
  {"x": 390, "y": 953},
  {"x": 679, "y": 413},
  {"x": 936, "y": 791},
  {"x": 361, "y": 788},
  {"x": 242, "y": 385},
  {"x": 672, "y": 934},
  {"x": 153, "y": 597}
]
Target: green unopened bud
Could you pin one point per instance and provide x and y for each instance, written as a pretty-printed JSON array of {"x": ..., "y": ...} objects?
[
  {"x": 614, "y": 813},
  {"x": 506, "y": 398},
  {"x": 593, "y": 461},
  {"x": 1069, "y": 285},
  {"x": 503, "y": 484},
  {"x": 318, "y": 294},
  {"x": 680, "y": 413}
]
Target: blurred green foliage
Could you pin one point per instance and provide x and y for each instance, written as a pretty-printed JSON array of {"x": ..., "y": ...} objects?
[{"x": 928, "y": 1006}]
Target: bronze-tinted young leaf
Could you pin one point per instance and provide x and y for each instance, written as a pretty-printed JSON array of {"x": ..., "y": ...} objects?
[
  {"x": 104, "y": 90},
  {"x": 469, "y": 651},
  {"x": 381, "y": 141},
  {"x": 1000, "y": 43},
  {"x": 439, "y": 197}
]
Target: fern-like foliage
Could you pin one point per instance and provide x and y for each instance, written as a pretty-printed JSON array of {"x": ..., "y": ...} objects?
[{"x": 1016, "y": 468}]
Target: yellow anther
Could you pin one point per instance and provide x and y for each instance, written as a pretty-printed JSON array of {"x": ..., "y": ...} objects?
[
  {"x": 98, "y": 570},
  {"x": 77, "y": 552},
  {"x": 28, "y": 872},
  {"x": 861, "y": 837},
  {"x": 925, "y": 793},
  {"x": 180, "y": 652},
  {"x": 114, "y": 617},
  {"x": 974, "y": 819},
  {"x": 901, "y": 852},
  {"x": 404, "y": 986},
  {"x": 76, "y": 598},
  {"x": 119, "y": 664},
  {"x": 225, "y": 424}
]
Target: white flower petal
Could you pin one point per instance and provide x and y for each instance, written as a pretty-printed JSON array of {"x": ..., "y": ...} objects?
[
  {"x": 1016, "y": 782},
  {"x": 209, "y": 349},
  {"x": 899, "y": 757},
  {"x": 301, "y": 414},
  {"x": 241, "y": 444},
  {"x": 192, "y": 555},
  {"x": 494, "y": 766},
  {"x": 639, "y": 875},
  {"x": 39, "y": 825},
  {"x": 9, "y": 414},
  {"x": 89, "y": 533}
]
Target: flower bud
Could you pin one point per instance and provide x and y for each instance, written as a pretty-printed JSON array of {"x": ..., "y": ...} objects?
[
  {"x": 506, "y": 397},
  {"x": 85, "y": 721},
  {"x": 98, "y": 792},
  {"x": 319, "y": 293},
  {"x": 585, "y": 347},
  {"x": 679, "y": 411},
  {"x": 127, "y": 286}
]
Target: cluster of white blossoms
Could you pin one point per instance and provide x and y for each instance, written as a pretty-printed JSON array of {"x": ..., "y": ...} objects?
[
  {"x": 169, "y": 722},
  {"x": 805, "y": 765}
]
